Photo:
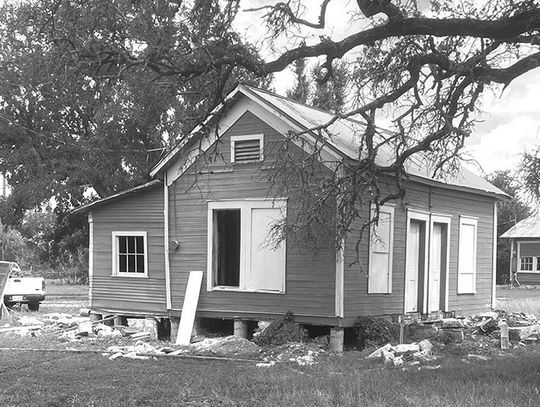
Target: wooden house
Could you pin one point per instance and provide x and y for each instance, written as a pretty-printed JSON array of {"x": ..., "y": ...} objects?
[
  {"x": 525, "y": 250},
  {"x": 435, "y": 250}
]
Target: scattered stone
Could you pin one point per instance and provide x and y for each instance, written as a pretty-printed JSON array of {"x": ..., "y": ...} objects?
[
  {"x": 477, "y": 357},
  {"x": 521, "y": 333},
  {"x": 447, "y": 336},
  {"x": 378, "y": 353},
  {"x": 29, "y": 320},
  {"x": 404, "y": 348},
  {"x": 488, "y": 315},
  {"x": 488, "y": 325},
  {"x": 266, "y": 364},
  {"x": 425, "y": 346},
  {"x": 447, "y": 323},
  {"x": 229, "y": 346}
]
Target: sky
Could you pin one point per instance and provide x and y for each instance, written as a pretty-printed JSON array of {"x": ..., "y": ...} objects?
[{"x": 510, "y": 122}]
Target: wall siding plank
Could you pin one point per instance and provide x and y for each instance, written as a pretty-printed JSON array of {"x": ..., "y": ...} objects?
[
  {"x": 310, "y": 283},
  {"x": 141, "y": 211},
  {"x": 438, "y": 201}
]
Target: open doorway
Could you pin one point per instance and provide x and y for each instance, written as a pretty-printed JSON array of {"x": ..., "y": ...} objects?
[{"x": 426, "y": 263}]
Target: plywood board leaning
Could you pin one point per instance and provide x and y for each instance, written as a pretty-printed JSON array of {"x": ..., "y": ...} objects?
[{"x": 191, "y": 299}]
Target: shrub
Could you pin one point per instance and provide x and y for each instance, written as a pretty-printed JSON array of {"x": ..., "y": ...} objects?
[{"x": 371, "y": 331}]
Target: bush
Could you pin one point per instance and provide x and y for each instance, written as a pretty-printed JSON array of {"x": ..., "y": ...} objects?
[{"x": 373, "y": 332}]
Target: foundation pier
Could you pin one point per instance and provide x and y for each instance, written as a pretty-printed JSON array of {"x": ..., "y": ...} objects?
[
  {"x": 336, "y": 339},
  {"x": 240, "y": 328},
  {"x": 175, "y": 324}
]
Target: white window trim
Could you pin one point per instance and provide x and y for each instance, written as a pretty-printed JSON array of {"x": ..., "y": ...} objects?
[
  {"x": 245, "y": 206},
  {"x": 535, "y": 259},
  {"x": 468, "y": 220},
  {"x": 259, "y": 137},
  {"x": 115, "y": 271},
  {"x": 387, "y": 208}
]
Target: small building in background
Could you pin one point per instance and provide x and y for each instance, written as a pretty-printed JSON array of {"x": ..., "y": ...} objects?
[{"x": 525, "y": 250}]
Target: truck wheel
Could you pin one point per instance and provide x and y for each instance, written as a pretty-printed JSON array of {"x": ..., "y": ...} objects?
[{"x": 33, "y": 306}]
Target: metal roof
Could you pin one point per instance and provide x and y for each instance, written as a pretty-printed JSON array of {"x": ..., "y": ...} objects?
[
  {"x": 346, "y": 136},
  {"x": 526, "y": 228},
  {"x": 99, "y": 202}
]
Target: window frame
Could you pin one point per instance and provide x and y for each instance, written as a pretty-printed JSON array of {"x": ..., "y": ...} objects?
[
  {"x": 391, "y": 210},
  {"x": 115, "y": 263},
  {"x": 246, "y": 206},
  {"x": 535, "y": 259},
  {"x": 234, "y": 139},
  {"x": 473, "y": 221}
]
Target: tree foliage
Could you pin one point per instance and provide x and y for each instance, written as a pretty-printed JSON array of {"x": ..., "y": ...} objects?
[{"x": 509, "y": 211}]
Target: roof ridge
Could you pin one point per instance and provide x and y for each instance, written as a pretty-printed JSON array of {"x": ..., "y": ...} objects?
[{"x": 288, "y": 99}]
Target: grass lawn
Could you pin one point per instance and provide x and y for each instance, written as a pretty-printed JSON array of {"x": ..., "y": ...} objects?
[
  {"x": 43, "y": 378},
  {"x": 67, "y": 379},
  {"x": 519, "y": 299}
]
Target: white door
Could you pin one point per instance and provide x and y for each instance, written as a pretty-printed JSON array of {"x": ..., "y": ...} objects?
[
  {"x": 435, "y": 261},
  {"x": 267, "y": 261},
  {"x": 413, "y": 265}
]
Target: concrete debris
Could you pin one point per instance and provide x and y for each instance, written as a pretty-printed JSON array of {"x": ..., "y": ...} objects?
[
  {"x": 229, "y": 346},
  {"x": 29, "y": 320},
  {"x": 410, "y": 354},
  {"x": 478, "y": 357},
  {"x": 406, "y": 348},
  {"x": 446, "y": 323},
  {"x": 266, "y": 364},
  {"x": 524, "y": 332},
  {"x": 378, "y": 353},
  {"x": 302, "y": 354}
]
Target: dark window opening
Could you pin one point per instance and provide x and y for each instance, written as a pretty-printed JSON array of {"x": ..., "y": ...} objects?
[
  {"x": 131, "y": 254},
  {"x": 247, "y": 150},
  {"x": 227, "y": 247}
]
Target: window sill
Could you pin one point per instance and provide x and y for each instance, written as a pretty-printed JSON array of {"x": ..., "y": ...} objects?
[
  {"x": 467, "y": 293},
  {"x": 529, "y": 271},
  {"x": 130, "y": 276},
  {"x": 244, "y": 290}
]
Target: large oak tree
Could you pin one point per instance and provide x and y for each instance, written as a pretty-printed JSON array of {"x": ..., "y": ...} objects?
[{"x": 88, "y": 89}]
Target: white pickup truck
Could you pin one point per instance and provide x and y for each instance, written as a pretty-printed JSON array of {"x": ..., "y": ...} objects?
[{"x": 21, "y": 288}]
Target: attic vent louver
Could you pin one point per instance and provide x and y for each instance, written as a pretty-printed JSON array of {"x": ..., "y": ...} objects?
[{"x": 246, "y": 148}]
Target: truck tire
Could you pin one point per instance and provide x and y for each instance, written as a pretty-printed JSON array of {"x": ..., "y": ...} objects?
[{"x": 33, "y": 306}]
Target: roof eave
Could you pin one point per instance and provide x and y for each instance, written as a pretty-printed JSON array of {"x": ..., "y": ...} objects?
[
  {"x": 89, "y": 206},
  {"x": 445, "y": 185}
]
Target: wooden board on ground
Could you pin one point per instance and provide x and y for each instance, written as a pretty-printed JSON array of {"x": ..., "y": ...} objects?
[{"x": 191, "y": 299}]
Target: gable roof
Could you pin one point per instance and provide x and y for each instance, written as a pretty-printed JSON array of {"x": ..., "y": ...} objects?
[
  {"x": 526, "y": 228},
  {"x": 343, "y": 136}
]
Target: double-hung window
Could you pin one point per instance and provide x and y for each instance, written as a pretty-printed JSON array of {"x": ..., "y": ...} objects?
[
  {"x": 529, "y": 256},
  {"x": 130, "y": 254},
  {"x": 242, "y": 253},
  {"x": 380, "y": 252}
]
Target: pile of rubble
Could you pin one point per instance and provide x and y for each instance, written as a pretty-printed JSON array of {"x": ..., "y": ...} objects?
[
  {"x": 476, "y": 338},
  {"x": 412, "y": 353}
]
